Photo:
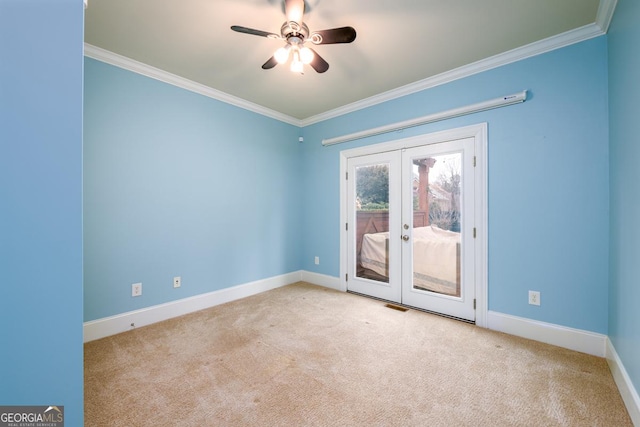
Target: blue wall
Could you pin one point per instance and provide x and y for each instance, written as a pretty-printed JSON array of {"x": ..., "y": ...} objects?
[
  {"x": 178, "y": 184},
  {"x": 624, "y": 92},
  {"x": 548, "y": 180},
  {"x": 163, "y": 168},
  {"x": 156, "y": 155},
  {"x": 41, "y": 197}
]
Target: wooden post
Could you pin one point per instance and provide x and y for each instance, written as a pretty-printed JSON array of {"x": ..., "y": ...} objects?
[{"x": 423, "y": 186}]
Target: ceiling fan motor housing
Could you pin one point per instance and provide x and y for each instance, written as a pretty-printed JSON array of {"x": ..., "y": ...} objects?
[{"x": 292, "y": 29}]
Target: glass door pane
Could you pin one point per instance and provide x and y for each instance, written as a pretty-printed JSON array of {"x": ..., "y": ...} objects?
[
  {"x": 372, "y": 221},
  {"x": 437, "y": 184}
]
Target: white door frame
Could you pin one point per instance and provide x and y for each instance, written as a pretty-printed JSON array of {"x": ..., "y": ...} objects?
[{"x": 479, "y": 133}]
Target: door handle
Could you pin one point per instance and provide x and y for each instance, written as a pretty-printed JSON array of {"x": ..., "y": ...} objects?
[{"x": 405, "y": 237}]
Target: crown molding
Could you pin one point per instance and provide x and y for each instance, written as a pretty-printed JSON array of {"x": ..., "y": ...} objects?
[
  {"x": 132, "y": 65},
  {"x": 537, "y": 48},
  {"x": 606, "y": 10},
  {"x": 605, "y": 14}
]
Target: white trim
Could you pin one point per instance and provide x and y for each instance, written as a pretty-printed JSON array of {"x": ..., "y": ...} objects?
[
  {"x": 600, "y": 27},
  {"x": 172, "y": 79},
  {"x": 605, "y": 14},
  {"x": 344, "y": 215},
  {"x": 107, "y": 326},
  {"x": 321, "y": 280},
  {"x": 625, "y": 386},
  {"x": 562, "y": 336},
  {"x": 537, "y": 48},
  {"x": 480, "y": 133},
  {"x": 482, "y": 225}
]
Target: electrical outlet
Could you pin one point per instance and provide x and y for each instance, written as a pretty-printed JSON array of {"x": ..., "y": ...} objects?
[
  {"x": 317, "y": 260},
  {"x": 534, "y": 297},
  {"x": 136, "y": 289},
  {"x": 176, "y": 282}
]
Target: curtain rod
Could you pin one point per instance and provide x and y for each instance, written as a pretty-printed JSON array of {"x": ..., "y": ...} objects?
[{"x": 443, "y": 115}]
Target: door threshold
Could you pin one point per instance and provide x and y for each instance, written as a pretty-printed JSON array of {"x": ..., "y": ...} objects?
[{"x": 403, "y": 307}]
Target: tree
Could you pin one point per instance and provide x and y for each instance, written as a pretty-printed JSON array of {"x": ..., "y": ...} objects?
[
  {"x": 446, "y": 213},
  {"x": 372, "y": 187}
]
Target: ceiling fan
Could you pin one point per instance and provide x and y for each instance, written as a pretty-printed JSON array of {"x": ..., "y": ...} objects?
[{"x": 295, "y": 33}]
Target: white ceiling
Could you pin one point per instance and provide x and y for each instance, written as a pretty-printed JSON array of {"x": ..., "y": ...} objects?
[{"x": 401, "y": 45}]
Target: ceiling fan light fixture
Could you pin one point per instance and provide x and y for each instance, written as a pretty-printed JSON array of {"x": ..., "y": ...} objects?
[
  {"x": 296, "y": 65},
  {"x": 295, "y": 33},
  {"x": 306, "y": 55},
  {"x": 282, "y": 55}
]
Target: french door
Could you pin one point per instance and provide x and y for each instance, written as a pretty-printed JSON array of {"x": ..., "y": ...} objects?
[{"x": 411, "y": 226}]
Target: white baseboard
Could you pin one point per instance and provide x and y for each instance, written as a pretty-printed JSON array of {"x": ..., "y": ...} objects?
[
  {"x": 573, "y": 339},
  {"x": 627, "y": 390},
  {"x": 322, "y": 280},
  {"x": 107, "y": 326}
]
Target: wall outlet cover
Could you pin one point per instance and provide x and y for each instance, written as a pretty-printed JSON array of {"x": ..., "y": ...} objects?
[
  {"x": 534, "y": 297},
  {"x": 136, "y": 289}
]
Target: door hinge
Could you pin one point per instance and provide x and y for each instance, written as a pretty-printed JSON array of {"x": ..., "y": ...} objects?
[
  {"x": 346, "y": 175},
  {"x": 474, "y": 232},
  {"x": 474, "y": 161},
  {"x": 346, "y": 277},
  {"x": 346, "y": 226},
  {"x": 474, "y": 303}
]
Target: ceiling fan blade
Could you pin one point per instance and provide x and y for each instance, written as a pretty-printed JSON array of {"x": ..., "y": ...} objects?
[
  {"x": 253, "y": 32},
  {"x": 270, "y": 63},
  {"x": 333, "y": 36},
  {"x": 318, "y": 63},
  {"x": 294, "y": 9}
]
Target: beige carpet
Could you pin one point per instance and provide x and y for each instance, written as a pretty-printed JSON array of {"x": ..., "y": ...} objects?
[{"x": 303, "y": 355}]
